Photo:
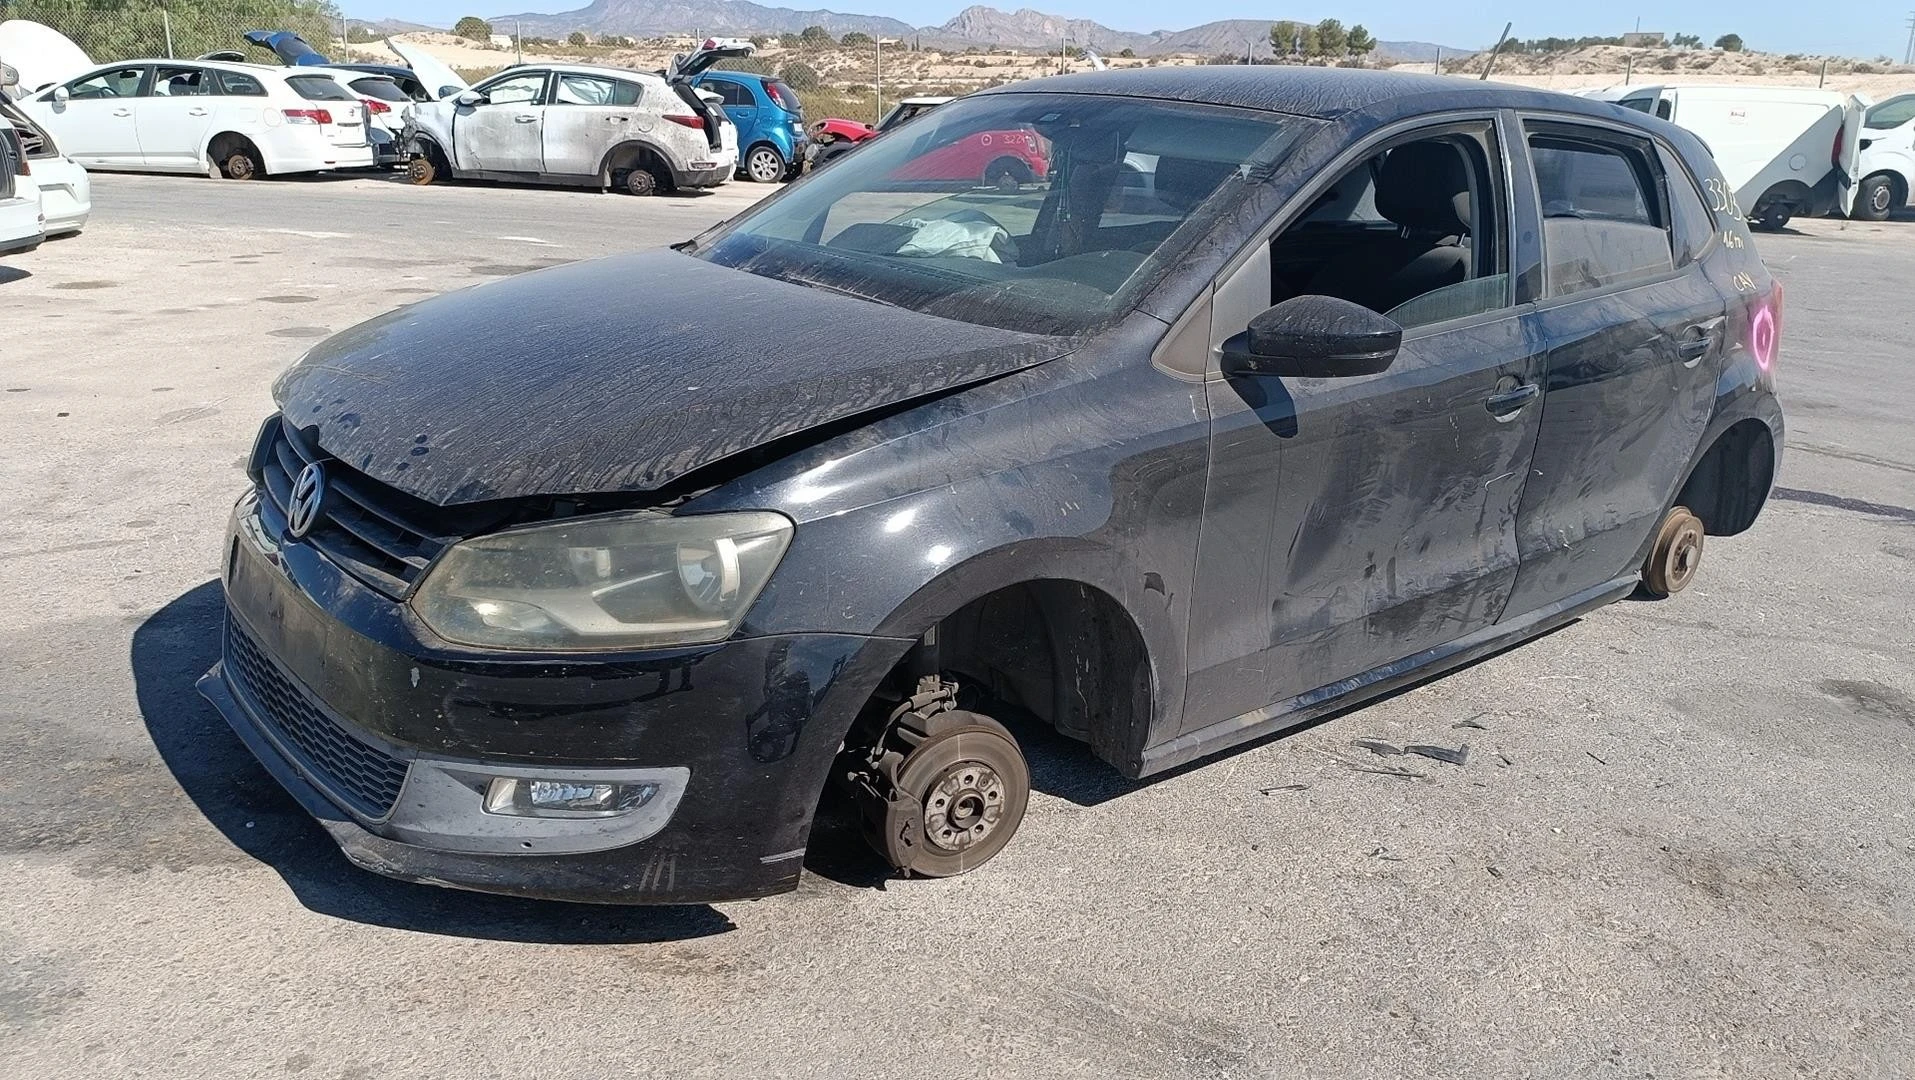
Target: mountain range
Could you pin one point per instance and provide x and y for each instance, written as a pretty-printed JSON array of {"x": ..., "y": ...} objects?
[{"x": 977, "y": 25}]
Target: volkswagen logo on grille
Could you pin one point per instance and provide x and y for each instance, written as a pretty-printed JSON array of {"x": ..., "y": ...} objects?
[{"x": 309, "y": 495}]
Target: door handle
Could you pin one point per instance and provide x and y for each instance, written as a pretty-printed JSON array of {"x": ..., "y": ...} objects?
[
  {"x": 196, "y": 112},
  {"x": 525, "y": 118},
  {"x": 1507, "y": 403},
  {"x": 616, "y": 119},
  {"x": 122, "y": 112},
  {"x": 1697, "y": 340}
]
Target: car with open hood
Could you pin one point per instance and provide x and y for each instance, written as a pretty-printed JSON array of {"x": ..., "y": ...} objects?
[
  {"x": 577, "y": 585},
  {"x": 582, "y": 125}
]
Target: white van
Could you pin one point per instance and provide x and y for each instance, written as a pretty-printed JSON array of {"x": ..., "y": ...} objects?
[
  {"x": 1888, "y": 158},
  {"x": 1787, "y": 151}
]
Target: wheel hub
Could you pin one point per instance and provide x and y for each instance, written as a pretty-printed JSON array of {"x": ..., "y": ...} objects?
[
  {"x": 964, "y": 806},
  {"x": 1684, "y": 554},
  {"x": 1880, "y": 198}
]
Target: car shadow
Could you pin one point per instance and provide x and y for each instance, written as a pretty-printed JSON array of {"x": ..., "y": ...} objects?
[
  {"x": 9, "y": 274},
  {"x": 179, "y": 643}
]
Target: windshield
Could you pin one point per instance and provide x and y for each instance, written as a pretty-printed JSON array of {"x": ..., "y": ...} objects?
[{"x": 1047, "y": 213}]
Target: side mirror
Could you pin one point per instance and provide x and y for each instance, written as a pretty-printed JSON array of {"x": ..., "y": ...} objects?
[
  {"x": 1314, "y": 337},
  {"x": 60, "y": 95},
  {"x": 9, "y": 77},
  {"x": 470, "y": 98}
]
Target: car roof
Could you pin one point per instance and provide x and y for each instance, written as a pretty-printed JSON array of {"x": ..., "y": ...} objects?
[
  {"x": 926, "y": 100},
  {"x": 1320, "y": 92}
]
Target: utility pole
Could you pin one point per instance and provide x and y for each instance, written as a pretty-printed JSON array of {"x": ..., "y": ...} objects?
[
  {"x": 1439, "y": 59},
  {"x": 166, "y": 22},
  {"x": 1909, "y": 56}
]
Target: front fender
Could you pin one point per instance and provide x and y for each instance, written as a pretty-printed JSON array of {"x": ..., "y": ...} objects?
[{"x": 1087, "y": 469}]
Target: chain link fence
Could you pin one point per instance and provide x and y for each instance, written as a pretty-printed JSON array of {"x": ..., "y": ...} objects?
[{"x": 122, "y": 32}]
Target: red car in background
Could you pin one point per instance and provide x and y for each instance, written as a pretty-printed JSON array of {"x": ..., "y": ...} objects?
[{"x": 999, "y": 158}]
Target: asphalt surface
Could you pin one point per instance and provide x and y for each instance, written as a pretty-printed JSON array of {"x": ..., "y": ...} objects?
[{"x": 1681, "y": 845}]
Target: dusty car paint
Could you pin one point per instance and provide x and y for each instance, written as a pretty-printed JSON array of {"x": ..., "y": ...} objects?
[{"x": 1195, "y": 559}]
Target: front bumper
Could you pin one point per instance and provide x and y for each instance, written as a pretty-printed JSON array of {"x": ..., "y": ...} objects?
[{"x": 740, "y": 737}]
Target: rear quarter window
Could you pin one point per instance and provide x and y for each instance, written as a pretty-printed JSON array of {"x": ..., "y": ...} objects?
[
  {"x": 1603, "y": 214},
  {"x": 1692, "y": 227}
]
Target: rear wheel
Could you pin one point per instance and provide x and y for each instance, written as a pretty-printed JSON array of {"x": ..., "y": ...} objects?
[
  {"x": 1675, "y": 556},
  {"x": 241, "y": 163},
  {"x": 1876, "y": 199},
  {"x": 764, "y": 165}
]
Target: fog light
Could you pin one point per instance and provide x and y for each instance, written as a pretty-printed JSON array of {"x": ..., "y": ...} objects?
[{"x": 564, "y": 798}]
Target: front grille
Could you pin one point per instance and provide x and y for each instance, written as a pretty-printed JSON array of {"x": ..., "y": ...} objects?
[
  {"x": 365, "y": 528},
  {"x": 364, "y": 777}
]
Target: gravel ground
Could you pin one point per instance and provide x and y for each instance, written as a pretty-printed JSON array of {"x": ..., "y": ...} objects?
[{"x": 1681, "y": 846}]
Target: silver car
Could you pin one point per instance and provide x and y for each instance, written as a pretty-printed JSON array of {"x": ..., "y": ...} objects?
[{"x": 581, "y": 125}]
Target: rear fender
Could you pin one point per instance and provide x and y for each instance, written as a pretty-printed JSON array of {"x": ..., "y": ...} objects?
[{"x": 622, "y": 150}]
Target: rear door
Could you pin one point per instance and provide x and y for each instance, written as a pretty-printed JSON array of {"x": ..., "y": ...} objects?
[
  {"x": 95, "y": 125},
  {"x": 739, "y": 104},
  {"x": 504, "y": 133},
  {"x": 174, "y": 114},
  {"x": 1634, "y": 331},
  {"x": 588, "y": 115}
]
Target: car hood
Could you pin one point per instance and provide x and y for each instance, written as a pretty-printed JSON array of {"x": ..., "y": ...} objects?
[
  {"x": 439, "y": 80},
  {"x": 42, "y": 55},
  {"x": 621, "y": 374}
]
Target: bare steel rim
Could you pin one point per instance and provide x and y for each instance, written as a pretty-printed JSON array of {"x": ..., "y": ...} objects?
[
  {"x": 764, "y": 165},
  {"x": 964, "y": 806},
  {"x": 1677, "y": 554}
]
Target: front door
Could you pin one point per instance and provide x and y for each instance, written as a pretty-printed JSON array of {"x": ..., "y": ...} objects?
[
  {"x": 95, "y": 125},
  {"x": 174, "y": 115},
  {"x": 504, "y": 133},
  {"x": 1634, "y": 330},
  {"x": 1352, "y": 523}
]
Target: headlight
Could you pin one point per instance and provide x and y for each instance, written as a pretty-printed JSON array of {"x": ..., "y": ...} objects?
[{"x": 626, "y": 581}]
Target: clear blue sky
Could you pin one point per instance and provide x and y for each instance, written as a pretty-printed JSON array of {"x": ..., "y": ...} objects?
[{"x": 1854, "y": 29}]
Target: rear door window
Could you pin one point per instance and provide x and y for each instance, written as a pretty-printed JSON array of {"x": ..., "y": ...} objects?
[
  {"x": 594, "y": 90},
  {"x": 171, "y": 81},
  {"x": 1693, "y": 228},
  {"x": 1604, "y": 219},
  {"x": 730, "y": 93}
]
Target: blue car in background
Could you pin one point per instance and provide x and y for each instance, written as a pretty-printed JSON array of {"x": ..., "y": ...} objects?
[{"x": 770, "y": 122}]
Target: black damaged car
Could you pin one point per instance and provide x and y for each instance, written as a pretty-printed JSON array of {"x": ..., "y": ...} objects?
[{"x": 1284, "y": 387}]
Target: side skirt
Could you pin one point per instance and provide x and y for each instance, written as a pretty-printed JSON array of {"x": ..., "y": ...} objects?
[{"x": 1357, "y": 689}]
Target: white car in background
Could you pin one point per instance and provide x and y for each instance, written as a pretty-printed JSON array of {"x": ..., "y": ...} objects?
[
  {"x": 1888, "y": 158},
  {"x": 196, "y": 116},
  {"x": 22, "y": 226},
  {"x": 384, "y": 103},
  {"x": 66, "y": 194},
  {"x": 577, "y": 124}
]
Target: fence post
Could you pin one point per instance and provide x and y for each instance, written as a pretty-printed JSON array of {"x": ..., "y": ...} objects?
[
  {"x": 1819, "y": 83},
  {"x": 166, "y": 23},
  {"x": 877, "y": 82}
]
